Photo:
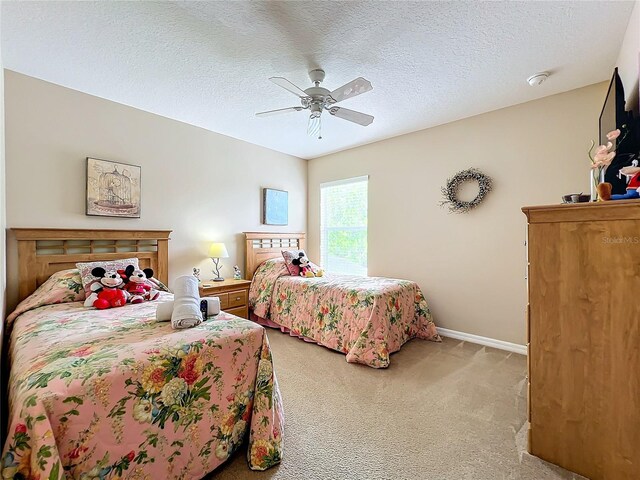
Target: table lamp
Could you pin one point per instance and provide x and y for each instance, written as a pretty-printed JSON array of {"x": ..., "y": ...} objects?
[{"x": 216, "y": 252}]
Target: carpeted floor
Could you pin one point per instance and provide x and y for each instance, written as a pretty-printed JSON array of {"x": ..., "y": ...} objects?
[{"x": 452, "y": 410}]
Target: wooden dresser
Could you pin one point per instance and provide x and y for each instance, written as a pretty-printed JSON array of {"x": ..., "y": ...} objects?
[
  {"x": 584, "y": 337},
  {"x": 233, "y": 294}
]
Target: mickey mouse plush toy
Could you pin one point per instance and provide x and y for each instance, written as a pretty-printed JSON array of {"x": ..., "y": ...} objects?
[
  {"x": 306, "y": 270},
  {"x": 106, "y": 291},
  {"x": 137, "y": 284}
]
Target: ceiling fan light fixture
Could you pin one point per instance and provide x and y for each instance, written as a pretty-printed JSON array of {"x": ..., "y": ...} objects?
[
  {"x": 316, "y": 99},
  {"x": 314, "y": 126}
]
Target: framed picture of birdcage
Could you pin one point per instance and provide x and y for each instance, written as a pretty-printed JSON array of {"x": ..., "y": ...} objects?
[{"x": 113, "y": 189}]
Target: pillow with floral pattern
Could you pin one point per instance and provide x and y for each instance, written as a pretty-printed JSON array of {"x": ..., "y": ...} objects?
[
  {"x": 61, "y": 287},
  {"x": 290, "y": 255},
  {"x": 88, "y": 279}
]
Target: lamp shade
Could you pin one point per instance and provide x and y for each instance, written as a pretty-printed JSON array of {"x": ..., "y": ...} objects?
[{"x": 218, "y": 250}]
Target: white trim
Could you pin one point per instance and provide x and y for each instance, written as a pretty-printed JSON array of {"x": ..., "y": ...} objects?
[
  {"x": 344, "y": 181},
  {"x": 486, "y": 341}
]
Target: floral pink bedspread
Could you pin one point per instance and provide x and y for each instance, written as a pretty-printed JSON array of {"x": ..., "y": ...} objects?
[
  {"x": 104, "y": 395},
  {"x": 368, "y": 318}
]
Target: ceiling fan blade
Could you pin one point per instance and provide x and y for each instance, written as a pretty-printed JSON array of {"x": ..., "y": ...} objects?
[
  {"x": 313, "y": 128},
  {"x": 351, "y": 115},
  {"x": 287, "y": 85},
  {"x": 280, "y": 110},
  {"x": 351, "y": 89}
]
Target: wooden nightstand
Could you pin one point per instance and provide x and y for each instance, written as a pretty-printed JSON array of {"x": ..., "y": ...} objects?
[{"x": 233, "y": 294}]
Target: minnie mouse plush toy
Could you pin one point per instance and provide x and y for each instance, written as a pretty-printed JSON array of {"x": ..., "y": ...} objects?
[{"x": 137, "y": 284}]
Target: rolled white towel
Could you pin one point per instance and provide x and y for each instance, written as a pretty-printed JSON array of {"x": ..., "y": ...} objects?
[
  {"x": 186, "y": 303},
  {"x": 164, "y": 311}
]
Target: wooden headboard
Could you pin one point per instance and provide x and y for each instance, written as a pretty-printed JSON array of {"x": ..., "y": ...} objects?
[
  {"x": 261, "y": 246},
  {"x": 44, "y": 251}
]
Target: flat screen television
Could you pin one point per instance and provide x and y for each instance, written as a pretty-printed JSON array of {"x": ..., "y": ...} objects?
[{"x": 613, "y": 116}]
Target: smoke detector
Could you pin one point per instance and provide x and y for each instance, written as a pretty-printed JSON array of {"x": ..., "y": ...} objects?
[{"x": 537, "y": 78}]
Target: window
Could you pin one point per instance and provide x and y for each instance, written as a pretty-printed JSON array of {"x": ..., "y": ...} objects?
[{"x": 343, "y": 226}]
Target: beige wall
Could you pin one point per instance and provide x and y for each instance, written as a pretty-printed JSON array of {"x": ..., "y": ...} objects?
[
  {"x": 202, "y": 185},
  {"x": 470, "y": 267},
  {"x": 629, "y": 59}
]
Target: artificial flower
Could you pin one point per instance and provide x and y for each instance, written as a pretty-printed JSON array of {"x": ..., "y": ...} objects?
[
  {"x": 613, "y": 134},
  {"x": 603, "y": 160}
]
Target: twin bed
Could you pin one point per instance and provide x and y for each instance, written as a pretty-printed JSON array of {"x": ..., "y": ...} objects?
[
  {"x": 366, "y": 318},
  {"x": 110, "y": 394},
  {"x": 103, "y": 395}
]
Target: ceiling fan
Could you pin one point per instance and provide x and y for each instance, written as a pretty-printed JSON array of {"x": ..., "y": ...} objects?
[{"x": 317, "y": 98}]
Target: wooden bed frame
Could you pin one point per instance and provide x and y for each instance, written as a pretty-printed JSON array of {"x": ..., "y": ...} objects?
[
  {"x": 44, "y": 251},
  {"x": 261, "y": 246}
]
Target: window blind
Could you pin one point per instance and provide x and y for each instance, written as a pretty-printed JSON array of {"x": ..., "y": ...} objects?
[{"x": 343, "y": 226}]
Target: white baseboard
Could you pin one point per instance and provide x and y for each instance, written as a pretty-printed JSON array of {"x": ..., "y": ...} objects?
[{"x": 486, "y": 341}]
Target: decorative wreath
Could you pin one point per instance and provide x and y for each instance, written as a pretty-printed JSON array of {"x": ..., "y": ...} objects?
[{"x": 450, "y": 191}]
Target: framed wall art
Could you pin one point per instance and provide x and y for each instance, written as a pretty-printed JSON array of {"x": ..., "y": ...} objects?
[
  {"x": 113, "y": 189},
  {"x": 275, "y": 207}
]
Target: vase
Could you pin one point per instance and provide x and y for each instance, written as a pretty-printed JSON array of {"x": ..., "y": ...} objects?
[{"x": 596, "y": 177}]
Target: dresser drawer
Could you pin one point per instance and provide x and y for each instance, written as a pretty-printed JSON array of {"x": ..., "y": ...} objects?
[
  {"x": 237, "y": 298},
  {"x": 224, "y": 299}
]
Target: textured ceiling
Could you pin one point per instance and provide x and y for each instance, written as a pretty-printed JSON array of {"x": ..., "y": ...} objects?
[{"x": 208, "y": 63}]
